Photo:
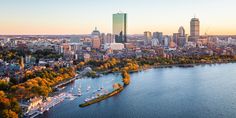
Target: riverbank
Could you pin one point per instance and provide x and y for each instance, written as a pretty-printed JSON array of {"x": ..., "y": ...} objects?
[
  {"x": 180, "y": 65},
  {"x": 165, "y": 66},
  {"x": 103, "y": 97}
]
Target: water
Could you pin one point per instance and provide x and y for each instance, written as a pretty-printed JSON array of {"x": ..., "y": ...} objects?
[{"x": 199, "y": 92}]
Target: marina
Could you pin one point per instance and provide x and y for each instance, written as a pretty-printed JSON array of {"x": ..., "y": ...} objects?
[{"x": 82, "y": 89}]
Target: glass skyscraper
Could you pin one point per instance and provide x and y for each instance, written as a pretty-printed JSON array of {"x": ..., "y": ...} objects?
[{"x": 120, "y": 27}]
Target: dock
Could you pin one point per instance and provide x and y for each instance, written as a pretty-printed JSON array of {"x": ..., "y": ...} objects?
[{"x": 101, "y": 98}]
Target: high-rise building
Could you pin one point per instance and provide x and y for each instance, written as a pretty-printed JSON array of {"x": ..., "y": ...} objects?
[
  {"x": 181, "y": 31},
  {"x": 159, "y": 36},
  {"x": 167, "y": 40},
  {"x": 176, "y": 37},
  {"x": 194, "y": 29},
  {"x": 120, "y": 27},
  {"x": 182, "y": 37},
  {"x": 148, "y": 35}
]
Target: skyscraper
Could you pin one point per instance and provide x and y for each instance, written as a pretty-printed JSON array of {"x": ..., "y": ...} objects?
[
  {"x": 194, "y": 29},
  {"x": 120, "y": 27},
  {"x": 182, "y": 37},
  {"x": 181, "y": 31},
  {"x": 159, "y": 36},
  {"x": 148, "y": 35}
]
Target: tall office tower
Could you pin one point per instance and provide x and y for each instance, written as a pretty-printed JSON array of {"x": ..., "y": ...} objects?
[
  {"x": 159, "y": 36},
  {"x": 182, "y": 38},
  {"x": 147, "y": 35},
  {"x": 194, "y": 30},
  {"x": 181, "y": 31},
  {"x": 167, "y": 40},
  {"x": 120, "y": 27},
  {"x": 176, "y": 37}
]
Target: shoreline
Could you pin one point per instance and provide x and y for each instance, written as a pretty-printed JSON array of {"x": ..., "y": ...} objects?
[
  {"x": 183, "y": 65},
  {"x": 166, "y": 66}
]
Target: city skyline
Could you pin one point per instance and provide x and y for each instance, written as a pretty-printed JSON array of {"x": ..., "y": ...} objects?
[{"x": 80, "y": 17}]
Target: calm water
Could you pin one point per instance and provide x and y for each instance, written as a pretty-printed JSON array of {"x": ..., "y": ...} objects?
[{"x": 199, "y": 92}]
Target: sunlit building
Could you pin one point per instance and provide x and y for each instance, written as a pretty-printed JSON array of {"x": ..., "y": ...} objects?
[
  {"x": 114, "y": 46},
  {"x": 120, "y": 27},
  {"x": 194, "y": 30},
  {"x": 148, "y": 35}
]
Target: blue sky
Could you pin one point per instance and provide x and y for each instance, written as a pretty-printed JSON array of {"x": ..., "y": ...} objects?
[{"x": 81, "y": 16}]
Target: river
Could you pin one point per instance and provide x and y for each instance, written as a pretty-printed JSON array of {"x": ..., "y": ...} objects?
[{"x": 205, "y": 91}]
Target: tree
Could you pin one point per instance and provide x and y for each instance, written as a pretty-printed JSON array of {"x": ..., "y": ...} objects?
[
  {"x": 4, "y": 85},
  {"x": 15, "y": 106},
  {"x": 126, "y": 78},
  {"x": 2, "y": 94},
  {"x": 8, "y": 114},
  {"x": 4, "y": 103}
]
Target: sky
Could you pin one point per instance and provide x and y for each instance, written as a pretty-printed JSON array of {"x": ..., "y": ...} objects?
[{"x": 28, "y": 17}]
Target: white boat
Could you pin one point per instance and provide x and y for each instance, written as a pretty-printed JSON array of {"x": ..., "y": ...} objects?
[
  {"x": 88, "y": 88},
  {"x": 87, "y": 99},
  {"x": 79, "y": 93}
]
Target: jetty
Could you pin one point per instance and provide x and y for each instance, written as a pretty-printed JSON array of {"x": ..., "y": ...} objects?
[{"x": 103, "y": 97}]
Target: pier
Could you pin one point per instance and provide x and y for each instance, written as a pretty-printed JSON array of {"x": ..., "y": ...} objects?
[{"x": 103, "y": 97}]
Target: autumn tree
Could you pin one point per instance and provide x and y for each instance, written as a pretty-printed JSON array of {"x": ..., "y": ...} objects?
[
  {"x": 126, "y": 78},
  {"x": 8, "y": 114}
]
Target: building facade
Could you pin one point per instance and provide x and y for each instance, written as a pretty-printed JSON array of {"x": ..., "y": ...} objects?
[
  {"x": 120, "y": 27},
  {"x": 159, "y": 36},
  {"x": 182, "y": 38},
  {"x": 194, "y": 30}
]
